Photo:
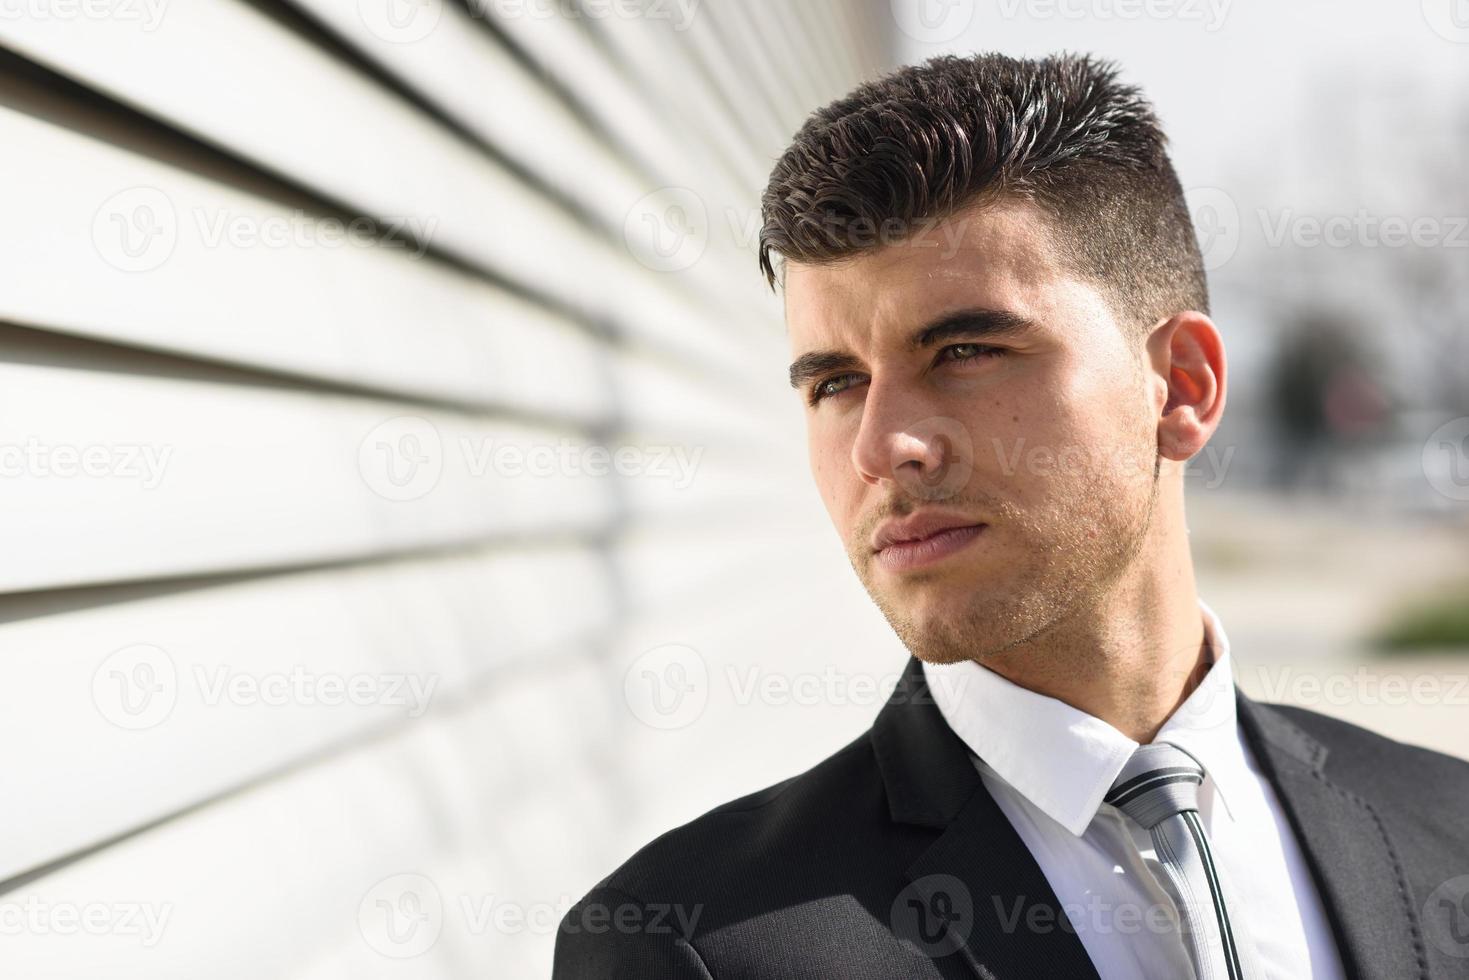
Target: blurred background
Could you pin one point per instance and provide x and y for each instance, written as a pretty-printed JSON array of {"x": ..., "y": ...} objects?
[{"x": 404, "y": 513}]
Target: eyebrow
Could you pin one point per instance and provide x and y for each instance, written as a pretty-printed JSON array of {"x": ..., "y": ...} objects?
[{"x": 972, "y": 325}]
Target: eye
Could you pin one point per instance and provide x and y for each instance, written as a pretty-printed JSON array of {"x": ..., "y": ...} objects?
[
  {"x": 831, "y": 386},
  {"x": 968, "y": 352}
]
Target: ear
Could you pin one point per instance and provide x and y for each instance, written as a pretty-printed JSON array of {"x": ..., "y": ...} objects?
[{"x": 1186, "y": 353}]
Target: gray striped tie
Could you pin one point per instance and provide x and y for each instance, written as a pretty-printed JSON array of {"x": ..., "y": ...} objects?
[{"x": 1159, "y": 788}]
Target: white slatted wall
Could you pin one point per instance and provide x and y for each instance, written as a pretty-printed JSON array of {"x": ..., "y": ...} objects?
[{"x": 277, "y": 626}]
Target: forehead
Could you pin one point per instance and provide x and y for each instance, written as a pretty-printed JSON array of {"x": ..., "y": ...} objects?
[{"x": 999, "y": 256}]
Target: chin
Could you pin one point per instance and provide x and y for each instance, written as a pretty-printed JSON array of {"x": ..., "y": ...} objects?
[
  {"x": 939, "y": 656},
  {"x": 938, "y": 627}
]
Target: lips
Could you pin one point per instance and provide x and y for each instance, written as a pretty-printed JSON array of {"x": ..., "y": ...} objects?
[
  {"x": 911, "y": 554},
  {"x": 916, "y": 528}
]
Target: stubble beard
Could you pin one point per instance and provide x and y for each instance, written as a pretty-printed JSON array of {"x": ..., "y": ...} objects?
[{"x": 1058, "y": 568}]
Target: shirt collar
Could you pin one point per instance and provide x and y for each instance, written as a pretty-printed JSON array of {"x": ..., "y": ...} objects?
[{"x": 1064, "y": 760}]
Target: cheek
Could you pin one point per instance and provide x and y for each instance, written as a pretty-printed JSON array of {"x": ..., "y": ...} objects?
[
  {"x": 1029, "y": 445},
  {"x": 832, "y": 472},
  {"x": 1005, "y": 431},
  {"x": 825, "y": 472}
]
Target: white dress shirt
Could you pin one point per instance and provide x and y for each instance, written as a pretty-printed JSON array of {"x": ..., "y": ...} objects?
[{"x": 1048, "y": 766}]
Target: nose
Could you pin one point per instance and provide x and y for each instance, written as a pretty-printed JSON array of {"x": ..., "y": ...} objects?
[{"x": 902, "y": 440}]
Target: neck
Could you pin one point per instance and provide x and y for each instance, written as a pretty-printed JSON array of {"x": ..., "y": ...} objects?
[{"x": 1131, "y": 655}]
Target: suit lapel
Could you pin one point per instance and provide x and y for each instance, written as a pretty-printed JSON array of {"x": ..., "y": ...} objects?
[
  {"x": 1001, "y": 915},
  {"x": 1005, "y": 918},
  {"x": 977, "y": 882},
  {"x": 1346, "y": 846}
]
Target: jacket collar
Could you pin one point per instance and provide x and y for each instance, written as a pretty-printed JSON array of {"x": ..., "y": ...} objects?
[
  {"x": 1010, "y": 927},
  {"x": 1062, "y": 759},
  {"x": 977, "y": 880}
]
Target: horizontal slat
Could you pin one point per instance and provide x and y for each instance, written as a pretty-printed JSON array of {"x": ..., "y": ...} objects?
[
  {"x": 652, "y": 48},
  {"x": 761, "y": 120},
  {"x": 357, "y": 142},
  {"x": 486, "y": 803},
  {"x": 127, "y": 474},
  {"x": 654, "y": 45},
  {"x": 763, "y": 72},
  {"x": 455, "y": 63},
  {"x": 570, "y": 54},
  {"x": 352, "y": 313},
  {"x": 849, "y": 31},
  {"x": 450, "y": 60},
  {"x": 488, "y": 800},
  {"x": 307, "y": 304},
  {"x": 397, "y": 639},
  {"x": 711, "y": 183},
  {"x": 246, "y": 96},
  {"x": 835, "y": 74},
  {"x": 765, "y": 42},
  {"x": 655, "y": 401}
]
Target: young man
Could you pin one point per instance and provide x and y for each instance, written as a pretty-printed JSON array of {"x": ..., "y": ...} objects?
[{"x": 1001, "y": 332}]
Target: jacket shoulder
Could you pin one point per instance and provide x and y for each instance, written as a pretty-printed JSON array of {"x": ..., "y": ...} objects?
[
  {"x": 736, "y": 844},
  {"x": 1380, "y": 767},
  {"x": 1334, "y": 732},
  {"x": 814, "y": 854}
]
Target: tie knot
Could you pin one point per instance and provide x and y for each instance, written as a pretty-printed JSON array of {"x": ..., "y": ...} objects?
[{"x": 1159, "y": 780}]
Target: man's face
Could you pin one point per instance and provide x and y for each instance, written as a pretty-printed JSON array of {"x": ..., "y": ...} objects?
[{"x": 980, "y": 403}]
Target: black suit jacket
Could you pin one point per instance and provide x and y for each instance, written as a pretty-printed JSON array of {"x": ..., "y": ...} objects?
[{"x": 891, "y": 860}]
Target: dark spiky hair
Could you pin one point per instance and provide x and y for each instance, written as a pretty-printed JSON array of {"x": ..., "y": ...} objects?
[{"x": 928, "y": 140}]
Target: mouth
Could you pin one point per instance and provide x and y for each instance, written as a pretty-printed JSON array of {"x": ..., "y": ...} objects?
[{"x": 928, "y": 549}]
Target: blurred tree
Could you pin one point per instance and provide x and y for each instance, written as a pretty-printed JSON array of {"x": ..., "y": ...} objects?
[{"x": 1324, "y": 400}]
